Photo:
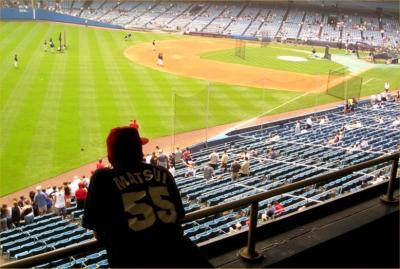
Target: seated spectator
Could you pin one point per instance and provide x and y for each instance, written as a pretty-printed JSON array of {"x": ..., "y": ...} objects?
[
  {"x": 245, "y": 168},
  {"x": 270, "y": 211},
  {"x": 309, "y": 123},
  {"x": 279, "y": 208},
  {"x": 271, "y": 154},
  {"x": 235, "y": 168},
  {"x": 190, "y": 170},
  {"x": 214, "y": 160},
  {"x": 364, "y": 144},
  {"x": 224, "y": 161},
  {"x": 297, "y": 127},
  {"x": 209, "y": 171},
  {"x": 187, "y": 155}
]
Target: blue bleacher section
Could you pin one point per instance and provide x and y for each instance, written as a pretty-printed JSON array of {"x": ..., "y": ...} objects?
[{"x": 298, "y": 156}]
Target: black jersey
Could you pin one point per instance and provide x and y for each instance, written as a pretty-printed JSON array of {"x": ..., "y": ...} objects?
[
  {"x": 137, "y": 215},
  {"x": 16, "y": 58}
]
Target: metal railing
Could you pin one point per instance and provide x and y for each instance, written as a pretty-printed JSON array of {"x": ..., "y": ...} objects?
[{"x": 248, "y": 252}]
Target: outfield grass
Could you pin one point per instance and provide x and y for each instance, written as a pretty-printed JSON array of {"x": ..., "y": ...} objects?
[
  {"x": 56, "y": 104},
  {"x": 267, "y": 57}
]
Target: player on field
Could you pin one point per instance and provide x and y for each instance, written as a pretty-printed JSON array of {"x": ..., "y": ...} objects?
[
  {"x": 135, "y": 209},
  {"x": 154, "y": 45},
  {"x": 45, "y": 46},
  {"x": 16, "y": 61}
]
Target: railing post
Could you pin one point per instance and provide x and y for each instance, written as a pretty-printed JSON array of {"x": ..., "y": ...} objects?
[
  {"x": 388, "y": 197},
  {"x": 249, "y": 252}
]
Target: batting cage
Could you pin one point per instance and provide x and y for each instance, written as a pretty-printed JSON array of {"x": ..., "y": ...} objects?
[
  {"x": 240, "y": 49},
  {"x": 343, "y": 85}
]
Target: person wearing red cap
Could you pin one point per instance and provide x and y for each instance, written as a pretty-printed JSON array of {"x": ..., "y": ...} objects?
[
  {"x": 135, "y": 209},
  {"x": 134, "y": 124}
]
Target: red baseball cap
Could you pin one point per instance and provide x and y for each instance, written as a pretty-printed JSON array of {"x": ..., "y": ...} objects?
[{"x": 123, "y": 143}]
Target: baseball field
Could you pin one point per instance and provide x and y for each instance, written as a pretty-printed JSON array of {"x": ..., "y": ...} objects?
[{"x": 57, "y": 108}]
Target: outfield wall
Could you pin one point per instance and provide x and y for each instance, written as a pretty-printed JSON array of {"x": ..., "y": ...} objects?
[{"x": 40, "y": 14}]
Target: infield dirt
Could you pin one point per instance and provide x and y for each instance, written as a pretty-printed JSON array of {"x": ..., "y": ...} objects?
[{"x": 182, "y": 57}]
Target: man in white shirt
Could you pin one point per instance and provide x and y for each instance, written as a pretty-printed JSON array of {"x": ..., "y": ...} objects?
[
  {"x": 59, "y": 202},
  {"x": 214, "y": 160},
  {"x": 75, "y": 184}
]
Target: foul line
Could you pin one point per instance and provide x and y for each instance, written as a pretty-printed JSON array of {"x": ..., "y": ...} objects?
[{"x": 239, "y": 125}]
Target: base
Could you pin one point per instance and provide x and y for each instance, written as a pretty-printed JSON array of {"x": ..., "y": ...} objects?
[
  {"x": 385, "y": 199},
  {"x": 254, "y": 257}
]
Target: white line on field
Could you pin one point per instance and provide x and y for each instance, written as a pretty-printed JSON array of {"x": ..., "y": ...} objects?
[
  {"x": 366, "y": 82},
  {"x": 263, "y": 114}
]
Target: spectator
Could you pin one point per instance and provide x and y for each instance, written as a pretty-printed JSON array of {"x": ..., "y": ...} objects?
[
  {"x": 15, "y": 214},
  {"x": 27, "y": 209},
  {"x": 145, "y": 233},
  {"x": 214, "y": 160},
  {"x": 224, "y": 161},
  {"x": 235, "y": 168},
  {"x": 245, "y": 168},
  {"x": 75, "y": 185},
  {"x": 270, "y": 212},
  {"x": 190, "y": 170},
  {"x": 80, "y": 196},
  {"x": 99, "y": 164},
  {"x": 279, "y": 209},
  {"x": 271, "y": 154},
  {"x": 154, "y": 159},
  {"x": 297, "y": 128},
  {"x": 162, "y": 159},
  {"x": 40, "y": 200},
  {"x": 67, "y": 194},
  {"x": 5, "y": 218},
  {"x": 59, "y": 202},
  {"x": 178, "y": 155},
  {"x": 309, "y": 123},
  {"x": 209, "y": 171},
  {"x": 21, "y": 201},
  {"x": 187, "y": 155}
]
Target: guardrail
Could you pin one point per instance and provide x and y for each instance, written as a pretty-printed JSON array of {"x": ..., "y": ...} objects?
[{"x": 249, "y": 252}]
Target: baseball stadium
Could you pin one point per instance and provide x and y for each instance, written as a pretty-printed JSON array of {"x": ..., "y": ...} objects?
[{"x": 276, "y": 122}]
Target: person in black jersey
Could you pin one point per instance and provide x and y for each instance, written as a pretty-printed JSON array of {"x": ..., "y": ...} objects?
[{"x": 135, "y": 209}]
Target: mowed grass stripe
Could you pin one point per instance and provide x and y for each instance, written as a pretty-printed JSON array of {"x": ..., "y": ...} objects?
[
  {"x": 20, "y": 93},
  {"x": 19, "y": 129},
  {"x": 106, "y": 107},
  {"x": 118, "y": 86},
  {"x": 43, "y": 140},
  {"x": 68, "y": 124},
  {"x": 92, "y": 141},
  {"x": 146, "y": 95},
  {"x": 8, "y": 33},
  {"x": 15, "y": 33},
  {"x": 11, "y": 77}
]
